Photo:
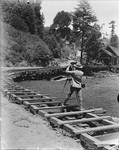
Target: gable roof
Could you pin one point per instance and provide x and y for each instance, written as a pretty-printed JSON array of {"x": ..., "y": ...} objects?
[
  {"x": 110, "y": 50},
  {"x": 108, "y": 53}
]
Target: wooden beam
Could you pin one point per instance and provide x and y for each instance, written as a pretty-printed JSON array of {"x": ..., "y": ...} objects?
[
  {"x": 52, "y": 107},
  {"x": 95, "y": 141},
  {"x": 35, "y": 108},
  {"x": 69, "y": 128},
  {"x": 89, "y": 140},
  {"x": 20, "y": 100},
  {"x": 104, "y": 121},
  {"x": 101, "y": 128},
  {"x": 39, "y": 99},
  {"x": 83, "y": 120},
  {"x": 19, "y": 91},
  {"x": 22, "y": 94},
  {"x": 13, "y": 90},
  {"x": 73, "y": 113},
  {"x": 38, "y": 95},
  {"x": 31, "y": 100},
  {"x": 107, "y": 137},
  {"x": 39, "y": 103},
  {"x": 12, "y": 97}
]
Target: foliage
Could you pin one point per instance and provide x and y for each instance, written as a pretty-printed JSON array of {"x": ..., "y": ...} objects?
[
  {"x": 12, "y": 18},
  {"x": 23, "y": 16},
  {"x": 83, "y": 18},
  {"x": 39, "y": 20},
  {"x": 37, "y": 51},
  {"x": 61, "y": 24},
  {"x": 53, "y": 45},
  {"x": 114, "y": 41},
  {"x": 93, "y": 45},
  {"x": 114, "y": 38},
  {"x": 62, "y": 19},
  {"x": 27, "y": 29},
  {"x": 65, "y": 51},
  {"x": 85, "y": 29},
  {"x": 25, "y": 47},
  {"x": 112, "y": 23}
]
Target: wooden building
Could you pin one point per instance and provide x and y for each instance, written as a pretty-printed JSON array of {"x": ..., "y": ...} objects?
[{"x": 110, "y": 55}]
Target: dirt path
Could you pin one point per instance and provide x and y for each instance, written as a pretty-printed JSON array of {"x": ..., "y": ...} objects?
[{"x": 22, "y": 130}]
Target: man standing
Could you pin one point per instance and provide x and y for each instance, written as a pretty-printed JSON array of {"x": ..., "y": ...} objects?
[{"x": 75, "y": 84}]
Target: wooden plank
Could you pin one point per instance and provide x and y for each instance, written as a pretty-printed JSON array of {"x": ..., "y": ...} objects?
[
  {"x": 12, "y": 97},
  {"x": 35, "y": 108},
  {"x": 20, "y": 100},
  {"x": 39, "y": 103},
  {"x": 13, "y": 90},
  {"x": 101, "y": 128},
  {"x": 89, "y": 140},
  {"x": 72, "y": 113},
  {"x": 52, "y": 107},
  {"x": 69, "y": 128},
  {"x": 19, "y": 91},
  {"x": 27, "y": 104},
  {"x": 108, "y": 137},
  {"x": 42, "y": 113},
  {"x": 38, "y": 99},
  {"x": 23, "y": 93},
  {"x": 104, "y": 122},
  {"x": 96, "y": 143},
  {"x": 76, "y": 121},
  {"x": 38, "y": 95},
  {"x": 55, "y": 121},
  {"x": 32, "y": 100}
]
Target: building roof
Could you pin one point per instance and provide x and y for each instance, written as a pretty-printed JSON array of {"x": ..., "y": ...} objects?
[
  {"x": 107, "y": 52},
  {"x": 113, "y": 50}
]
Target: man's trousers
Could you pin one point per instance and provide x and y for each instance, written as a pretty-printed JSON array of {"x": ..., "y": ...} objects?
[{"x": 78, "y": 93}]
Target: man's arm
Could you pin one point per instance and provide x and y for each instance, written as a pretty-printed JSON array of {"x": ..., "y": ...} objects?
[{"x": 80, "y": 73}]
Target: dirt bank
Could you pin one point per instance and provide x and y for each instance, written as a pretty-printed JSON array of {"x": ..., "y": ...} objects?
[{"x": 22, "y": 130}]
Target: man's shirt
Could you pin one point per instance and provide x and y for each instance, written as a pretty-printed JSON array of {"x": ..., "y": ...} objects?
[{"x": 76, "y": 78}]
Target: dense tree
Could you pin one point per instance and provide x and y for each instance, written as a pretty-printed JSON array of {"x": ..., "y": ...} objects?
[
  {"x": 37, "y": 51},
  {"x": 53, "y": 45},
  {"x": 112, "y": 23},
  {"x": 114, "y": 38},
  {"x": 83, "y": 23},
  {"x": 18, "y": 23},
  {"x": 93, "y": 45},
  {"x": 61, "y": 24},
  {"x": 39, "y": 20},
  {"x": 114, "y": 41},
  {"x": 29, "y": 15},
  {"x": 26, "y": 12}
]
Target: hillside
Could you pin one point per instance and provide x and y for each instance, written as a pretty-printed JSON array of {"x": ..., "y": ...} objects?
[{"x": 21, "y": 48}]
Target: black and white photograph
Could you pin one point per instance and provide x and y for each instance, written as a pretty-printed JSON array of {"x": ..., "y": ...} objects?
[{"x": 59, "y": 74}]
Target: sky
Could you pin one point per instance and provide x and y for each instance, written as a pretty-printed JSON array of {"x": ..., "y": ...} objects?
[{"x": 105, "y": 11}]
